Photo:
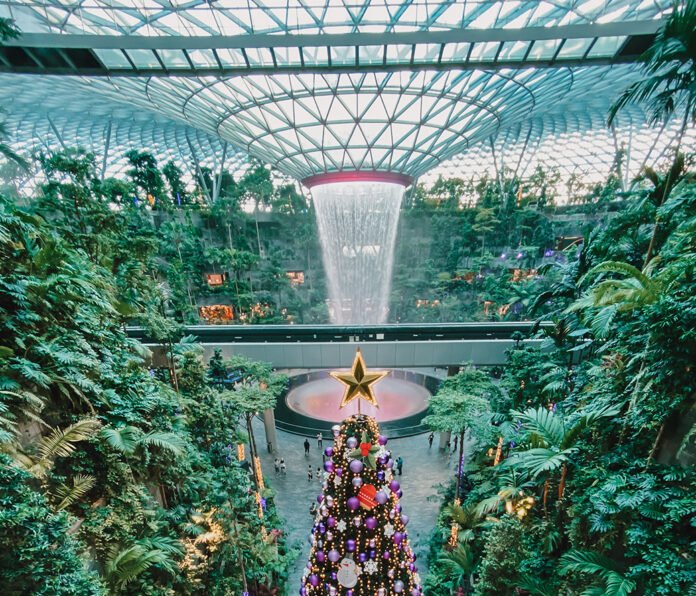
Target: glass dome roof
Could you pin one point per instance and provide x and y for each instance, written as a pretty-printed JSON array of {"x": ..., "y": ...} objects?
[
  {"x": 482, "y": 73},
  {"x": 244, "y": 17}
]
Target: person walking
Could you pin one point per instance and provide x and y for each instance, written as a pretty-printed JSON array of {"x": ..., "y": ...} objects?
[
  {"x": 320, "y": 439},
  {"x": 399, "y": 464},
  {"x": 456, "y": 440},
  {"x": 276, "y": 465},
  {"x": 319, "y": 473},
  {"x": 313, "y": 508},
  {"x": 447, "y": 447},
  {"x": 283, "y": 467},
  {"x": 306, "y": 447},
  {"x": 309, "y": 473},
  {"x": 431, "y": 436}
]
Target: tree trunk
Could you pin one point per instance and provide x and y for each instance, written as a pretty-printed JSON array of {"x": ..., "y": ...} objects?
[
  {"x": 240, "y": 557},
  {"x": 561, "y": 484},
  {"x": 546, "y": 493},
  {"x": 459, "y": 464},
  {"x": 655, "y": 445}
]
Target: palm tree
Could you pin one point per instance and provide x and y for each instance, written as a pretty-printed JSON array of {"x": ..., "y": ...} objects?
[
  {"x": 670, "y": 84},
  {"x": 549, "y": 439},
  {"x": 124, "y": 564},
  {"x": 59, "y": 443},
  {"x": 130, "y": 439},
  {"x": 458, "y": 566},
  {"x": 606, "y": 573}
]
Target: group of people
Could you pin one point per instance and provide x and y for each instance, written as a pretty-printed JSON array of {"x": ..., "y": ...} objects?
[
  {"x": 449, "y": 448},
  {"x": 280, "y": 466}
]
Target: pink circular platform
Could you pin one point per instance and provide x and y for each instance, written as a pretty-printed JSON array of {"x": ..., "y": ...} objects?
[{"x": 320, "y": 399}]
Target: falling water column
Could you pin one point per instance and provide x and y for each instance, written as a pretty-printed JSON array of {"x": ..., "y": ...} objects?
[{"x": 358, "y": 215}]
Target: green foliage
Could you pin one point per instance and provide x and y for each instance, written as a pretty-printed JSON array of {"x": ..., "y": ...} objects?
[
  {"x": 37, "y": 554},
  {"x": 107, "y": 442},
  {"x": 588, "y": 494}
]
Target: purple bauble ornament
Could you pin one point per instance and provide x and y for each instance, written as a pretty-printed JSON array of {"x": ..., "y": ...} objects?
[
  {"x": 356, "y": 466},
  {"x": 357, "y": 482},
  {"x": 320, "y": 498},
  {"x": 328, "y": 452},
  {"x": 386, "y": 555},
  {"x": 331, "y": 522},
  {"x": 398, "y": 537},
  {"x": 382, "y": 440},
  {"x": 381, "y": 497},
  {"x": 353, "y": 503},
  {"x": 322, "y": 527},
  {"x": 321, "y": 557},
  {"x": 415, "y": 592},
  {"x": 314, "y": 579},
  {"x": 380, "y": 476},
  {"x": 370, "y": 523},
  {"x": 399, "y": 493},
  {"x": 334, "y": 555},
  {"x": 404, "y": 519},
  {"x": 373, "y": 553},
  {"x": 362, "y": 557},
  {"x": 394, "y": 486},
  {"x": 350, "y": 545},
  {"x": 329, "y": 466},
  {"x": 338, "y": 472},
  {"x": 398, "y": 586},
  {"x": 349, "y": 593},
  {"x": 352, "y": 442}
]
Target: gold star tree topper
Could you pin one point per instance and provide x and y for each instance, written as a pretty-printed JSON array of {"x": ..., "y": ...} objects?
[{"x": 358, "y": 382}]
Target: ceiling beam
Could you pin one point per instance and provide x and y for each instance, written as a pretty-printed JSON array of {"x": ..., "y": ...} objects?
[{"x": 62, "y": 40}]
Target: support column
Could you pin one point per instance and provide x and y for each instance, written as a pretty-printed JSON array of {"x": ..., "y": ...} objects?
[
  {"x": 444, "y": 439},
  {"x": 269, "y": 426}
]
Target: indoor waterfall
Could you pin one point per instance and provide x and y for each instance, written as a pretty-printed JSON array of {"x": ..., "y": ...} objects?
[{"x": 357, "y": 227}]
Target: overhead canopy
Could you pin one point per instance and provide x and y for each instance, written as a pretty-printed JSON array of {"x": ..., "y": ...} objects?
[{"x": 315, "y": 86}]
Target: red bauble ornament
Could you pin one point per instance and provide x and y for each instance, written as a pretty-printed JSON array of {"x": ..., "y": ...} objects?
[{"x": 366, "y": 496}]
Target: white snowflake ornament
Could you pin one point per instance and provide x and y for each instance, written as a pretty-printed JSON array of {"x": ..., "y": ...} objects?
[
  {"x": 341, "y": 525},
  {"x": 371, "y": 567},
  {"x": 388, "y": 530}
]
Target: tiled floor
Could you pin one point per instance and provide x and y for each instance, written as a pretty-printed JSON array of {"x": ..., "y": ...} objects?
[{"x": 424, "y": 469}]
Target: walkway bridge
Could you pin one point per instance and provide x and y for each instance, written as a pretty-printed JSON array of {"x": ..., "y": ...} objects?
[{"x": 384, "y": 346}]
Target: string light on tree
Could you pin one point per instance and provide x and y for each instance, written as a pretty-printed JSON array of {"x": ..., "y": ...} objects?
[{"x": 360, "y": 545}]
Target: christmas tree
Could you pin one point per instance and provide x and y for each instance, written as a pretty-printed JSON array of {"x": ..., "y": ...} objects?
[{"x": 359, "y": 541}]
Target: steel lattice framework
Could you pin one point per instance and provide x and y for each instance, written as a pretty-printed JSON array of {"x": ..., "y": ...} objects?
[{"x": 315, "y": 86}]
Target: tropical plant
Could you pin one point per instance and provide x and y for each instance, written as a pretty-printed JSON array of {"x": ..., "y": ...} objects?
[
  {"x": 669, "y": 87},
  {"x": 609, "y": 579},
  {"x": 549, "y": 442}
]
